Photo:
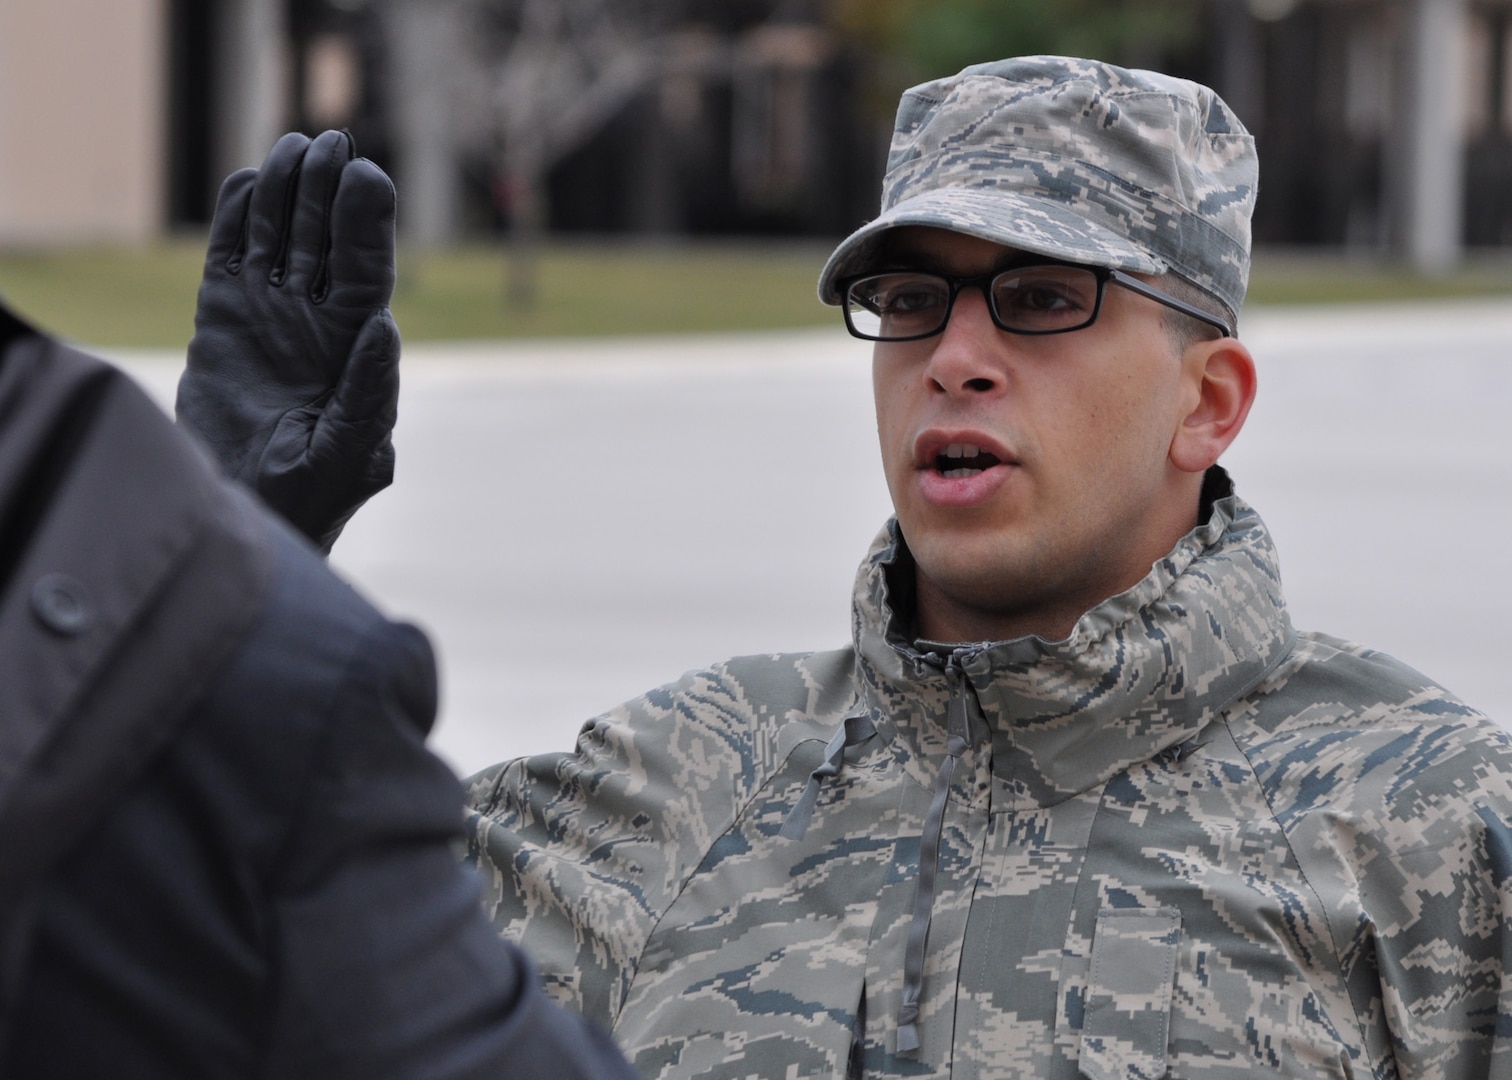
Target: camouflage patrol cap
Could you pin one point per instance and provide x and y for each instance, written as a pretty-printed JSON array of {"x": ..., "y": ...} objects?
[{"x": 1076, "y": 160}]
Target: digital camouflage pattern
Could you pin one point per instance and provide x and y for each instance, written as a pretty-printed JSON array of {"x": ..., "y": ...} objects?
[
  {"x": 1186, "y": 841},
  {"x": 1073, "y": 159}
]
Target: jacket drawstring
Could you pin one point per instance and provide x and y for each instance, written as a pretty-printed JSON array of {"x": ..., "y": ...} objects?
[
  {"x": 929, "y": 864},
  {"x": 856, "y": 730}
]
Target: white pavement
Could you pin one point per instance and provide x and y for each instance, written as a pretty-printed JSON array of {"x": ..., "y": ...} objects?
[{"x": 575, "y": 523}]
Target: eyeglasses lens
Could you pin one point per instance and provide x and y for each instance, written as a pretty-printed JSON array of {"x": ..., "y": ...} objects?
[
  {"x": 1032, "y": 300},
  {"x": 894, "y": 306},
  {"x": 1045, "y": 299}
]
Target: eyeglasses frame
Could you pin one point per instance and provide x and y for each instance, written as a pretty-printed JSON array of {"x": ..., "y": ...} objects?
[{"x": 1103, "y": 274}]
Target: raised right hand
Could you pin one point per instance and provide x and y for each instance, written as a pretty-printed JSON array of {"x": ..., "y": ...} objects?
[{"x": 293, "y": 376}]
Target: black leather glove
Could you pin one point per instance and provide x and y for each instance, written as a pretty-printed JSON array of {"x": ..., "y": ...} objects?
[{"x": 293, "y": 374}]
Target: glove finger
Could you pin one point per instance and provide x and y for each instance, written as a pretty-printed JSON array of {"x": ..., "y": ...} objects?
[
  {"x": 365, "y": 403},
  {"x": 228, "y": 227},
  {"x": 309, "y": 225},
  {"x": 268, "y": 213},
  {"x": 361, "y": 262}
]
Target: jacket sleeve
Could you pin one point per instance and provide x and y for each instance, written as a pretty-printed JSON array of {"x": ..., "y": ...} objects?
[
  {"x": 1436, "y": 880},
  {"x": 1446, "y": 940},
  {"x": 1401, "y": 818},
  {"x": 581, "y": 853},
  {"x": 1438, "y": 941},
  {"x": 384, "y": 963},
  {"x": 277, "y": 894}
]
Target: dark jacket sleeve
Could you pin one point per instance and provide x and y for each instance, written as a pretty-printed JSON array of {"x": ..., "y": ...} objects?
[
  {"x": 278, "y": 894},
  {"x": 370, "y": 899}
]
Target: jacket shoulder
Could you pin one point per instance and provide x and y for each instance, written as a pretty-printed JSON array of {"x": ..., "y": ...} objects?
[
  {"x": 1340, "y": 724},
  {"x": 744, "y": 714},
  {"x": 599, "y": 842},
  {"x": 1395, "y": 798}
]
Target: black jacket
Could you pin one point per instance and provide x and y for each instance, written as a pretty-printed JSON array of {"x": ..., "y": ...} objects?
[{"x": 224, "y": 850}]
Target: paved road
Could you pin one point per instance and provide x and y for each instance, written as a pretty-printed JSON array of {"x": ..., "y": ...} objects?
[{"x": 577, "y": 522}]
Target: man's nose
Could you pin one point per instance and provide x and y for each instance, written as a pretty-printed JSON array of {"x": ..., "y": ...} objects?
[{"x": 968, "y": 354}]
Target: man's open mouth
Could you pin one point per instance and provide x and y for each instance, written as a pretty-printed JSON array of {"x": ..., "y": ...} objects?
[{"x": 959, "y": 460}]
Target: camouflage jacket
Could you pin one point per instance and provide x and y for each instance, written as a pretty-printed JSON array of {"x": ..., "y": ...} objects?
[{"x": 1185, "y": 840}]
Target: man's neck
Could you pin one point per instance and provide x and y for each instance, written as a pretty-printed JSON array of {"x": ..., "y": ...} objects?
[{"x": 938, "y": 618}]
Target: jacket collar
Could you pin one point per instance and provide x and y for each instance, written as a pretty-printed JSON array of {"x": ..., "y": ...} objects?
[{"x": 1141, "y": 673}]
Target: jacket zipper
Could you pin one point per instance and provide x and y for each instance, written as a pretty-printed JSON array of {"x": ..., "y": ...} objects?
[{"x": 957, "y": 732}]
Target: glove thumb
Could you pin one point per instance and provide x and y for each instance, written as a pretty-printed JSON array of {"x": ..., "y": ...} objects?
[
  {"x": 327, "y": 458},
  {"x": 358, "y": 421}
]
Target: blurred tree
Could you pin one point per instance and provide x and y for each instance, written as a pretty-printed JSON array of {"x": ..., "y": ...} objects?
[
  {"x": 925, "y": 39},
  {"x": 560, "y": 71}
]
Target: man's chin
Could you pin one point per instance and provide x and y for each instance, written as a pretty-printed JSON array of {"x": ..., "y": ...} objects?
[{"x": 970, "y": 590}]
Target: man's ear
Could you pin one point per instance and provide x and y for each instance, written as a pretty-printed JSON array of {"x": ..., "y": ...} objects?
[{"x": 1220, "y": 380}]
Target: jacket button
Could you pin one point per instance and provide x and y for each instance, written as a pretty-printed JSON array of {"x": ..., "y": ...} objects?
[{"x": 63, "y": 604}]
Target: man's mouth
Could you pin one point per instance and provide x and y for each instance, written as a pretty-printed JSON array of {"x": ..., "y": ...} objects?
[{"x": 960, "y": 460}]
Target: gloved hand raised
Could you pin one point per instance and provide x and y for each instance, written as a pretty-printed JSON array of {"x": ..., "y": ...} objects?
[{"x": 293, "y": 373}]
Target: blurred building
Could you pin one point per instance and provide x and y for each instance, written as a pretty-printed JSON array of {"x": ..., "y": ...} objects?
[
  {"x": 1384, "y": 125},
  {"x": 83, "y": 121}
]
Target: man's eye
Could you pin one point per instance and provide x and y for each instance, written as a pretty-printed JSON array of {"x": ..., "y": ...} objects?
[
  {"x": 1045, "y": 298},
  {"x": 1042, "y": 296},
  {"x": 909, "y": 300}
]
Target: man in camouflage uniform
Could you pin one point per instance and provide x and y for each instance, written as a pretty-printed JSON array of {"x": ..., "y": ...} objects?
[{"x": 1077, "y": 798}]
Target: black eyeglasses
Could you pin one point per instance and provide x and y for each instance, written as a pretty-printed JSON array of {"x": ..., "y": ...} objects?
[{"x": 1045, "y": 298}]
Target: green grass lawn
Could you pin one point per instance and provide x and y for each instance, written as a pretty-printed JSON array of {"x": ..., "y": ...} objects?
[
  {"x": 612, "y": 289},
  {"x": 108, "y": 297},
  {"x": 1291, "y": 277},
  {"x": 145, "y": 297}
]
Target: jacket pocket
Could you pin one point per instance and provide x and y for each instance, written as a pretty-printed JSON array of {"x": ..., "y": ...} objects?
[{"x": 1127, "y": 1023}]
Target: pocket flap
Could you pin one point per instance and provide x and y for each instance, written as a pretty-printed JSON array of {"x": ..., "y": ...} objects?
[{"x": 1127, "y": 1023}]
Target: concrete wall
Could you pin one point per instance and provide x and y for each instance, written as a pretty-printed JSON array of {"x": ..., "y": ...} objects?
[{"x": 82, "y": 121}]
